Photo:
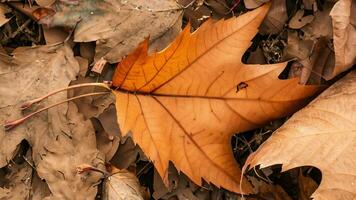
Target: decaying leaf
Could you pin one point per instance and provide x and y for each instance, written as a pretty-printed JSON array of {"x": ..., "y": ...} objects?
[
  {"x": 321, "y": 26},
  {"x": 122, "y": 185},
  {"x": 323, "y": 135},
  {"x": 60, "y": 138},
  {"x": 344, "y": 35},
  {"x": 299, "y": 20},
  {"x": 275, "y": 19},
  {"x": 118, "y": 26},
  {"x": 182, "y": 105},
  {"x": 106, "y": 143},
  {"x": 126, "y": 155}
]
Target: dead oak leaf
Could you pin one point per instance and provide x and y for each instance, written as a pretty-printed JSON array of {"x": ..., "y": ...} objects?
[
  {"x": 320, "y": 135},
  {"x": 182, "y": 106}
]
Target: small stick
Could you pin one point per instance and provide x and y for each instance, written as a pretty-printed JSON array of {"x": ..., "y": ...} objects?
[
  {"x": 34, "y": 101},
  {"x": 10, "y": 125}
]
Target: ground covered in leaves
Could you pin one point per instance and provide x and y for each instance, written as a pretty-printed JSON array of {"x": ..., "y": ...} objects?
[{"x": 78, "y": 150}]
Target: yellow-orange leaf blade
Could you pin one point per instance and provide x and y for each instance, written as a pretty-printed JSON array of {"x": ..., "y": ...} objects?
[{"x": 182, "y": 104}]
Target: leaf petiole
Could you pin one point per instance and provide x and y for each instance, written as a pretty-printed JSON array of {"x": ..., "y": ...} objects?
[
  {"x": 37, "y": 100},
  {"x": 10, "y": 125}
]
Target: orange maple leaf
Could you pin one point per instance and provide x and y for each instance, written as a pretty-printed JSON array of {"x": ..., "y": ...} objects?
[{"x": 184, "y": 103}]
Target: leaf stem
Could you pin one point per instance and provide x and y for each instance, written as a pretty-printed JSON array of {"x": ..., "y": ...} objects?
[
  {"x": 37, "y": 100},
  {"x": 12, "y": 124}
]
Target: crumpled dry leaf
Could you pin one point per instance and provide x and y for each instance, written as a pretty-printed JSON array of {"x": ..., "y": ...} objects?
[
  {"x": 122, "y": 185},
  {"x": 275, "y": 19},
  {"x": 344, "y": 35},
  {"x": 315, "y": 64},
  {"x": 321, "y": 26},
  {"x": 299, "y": 20},
  {"x": 118, "y": 26},
  {"x": 59, "y": 137},
  {"x": 321, "y": 135},
  {"x": 297, "y": 47},
  {"x": 126, "y": 154},
  {"x": 106, "y": 143},
  {"x": 181, "y": 111}
]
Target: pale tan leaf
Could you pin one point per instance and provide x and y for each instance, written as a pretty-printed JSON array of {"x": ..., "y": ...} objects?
[
  {"x": 184, "y": 103},
  {"x": 122, "y": 185},
  {"x": 322, "y": 135},
  {"x": 344, "y": 35}
]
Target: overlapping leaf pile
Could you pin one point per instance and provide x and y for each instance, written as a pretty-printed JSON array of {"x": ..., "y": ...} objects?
[{"x": 179, "y": 106}]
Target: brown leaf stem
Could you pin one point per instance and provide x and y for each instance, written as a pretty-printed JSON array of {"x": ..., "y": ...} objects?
[
  {"x": 37, "y": 100},
  {"x": 9, "y": 125}
]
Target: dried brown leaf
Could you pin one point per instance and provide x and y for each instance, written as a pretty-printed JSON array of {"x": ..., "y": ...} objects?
[
  {"x": 299, "y": 20},
  {"x": 106, "y": 143},
  {"x": 344, "y": 35},
  {"x": 322, "y": 135},
  {"x": 275, "y": 19},
  {"x": 126, "y": 154},
  {"x": 122, "y": 185},
  {"x": 119, "y": 26},
  {"x": 60, "y": 138},
  {"x": 321, "y": 26}
]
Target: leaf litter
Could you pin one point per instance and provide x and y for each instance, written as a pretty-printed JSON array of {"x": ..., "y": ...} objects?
[{"x": 92, "y": 120}]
